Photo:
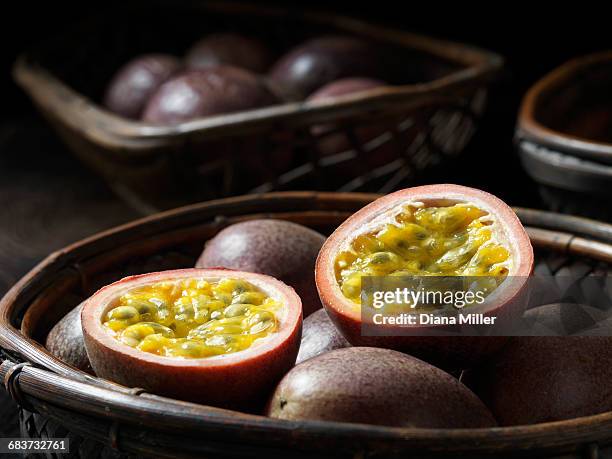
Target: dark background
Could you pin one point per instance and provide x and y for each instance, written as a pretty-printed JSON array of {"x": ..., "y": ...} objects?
[{"x": 47, "y": 199}]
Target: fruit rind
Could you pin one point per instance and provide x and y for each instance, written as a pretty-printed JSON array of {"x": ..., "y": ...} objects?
[
  {"x": 230, "y": 380},
  {"x": 510, "y": 300}
]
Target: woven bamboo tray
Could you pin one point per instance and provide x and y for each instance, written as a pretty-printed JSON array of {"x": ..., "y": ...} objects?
[
  {"x": 106, "y": 420},
  {"x": 429, "y": 114},
  {"x": 564, "y": 137}
]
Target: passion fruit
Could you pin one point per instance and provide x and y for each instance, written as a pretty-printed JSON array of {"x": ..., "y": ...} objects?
[
  {"x": 135, "y": 82},
  {"x": 546, "y": 378},
  {"x": 206, "y": 92},
  {"x": 229, "y": 49},
  {"x": 563, "y": 319},
  {"x": 319, "y": 335},
  {"x": 603, "y": 328},
  {"x": 322, "y": 60},
  {"x": 65, "y": 341},
  {"x": 213, "y": 336},
  {"x": 371, "y": 136},
  {"x": 376, "y": 386},
  {"x": 440, "y": 230},
  {"x": 278, "y": 248},
  {"x": 345, "y": 86}
]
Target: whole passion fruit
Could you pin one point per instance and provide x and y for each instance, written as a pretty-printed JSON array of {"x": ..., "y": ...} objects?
[
  {"x": 563, "y": 319},
  {"x": 376, "y": 386},
  {"x": 135, "y": 82},
  {"x": 603, "y": 328},
  {"x": 206, "y": 92},
  {"x": 214, "y": 336},
  {"x": 546, "y": 378},
  {"x": 439, "y": 230},
  {"x": 281, "y": 249},
  {"x": 375, "y": 138},
  {"x": 65, "y": 341},
  {"x": 322, "y": 60},
  {"x": 345, "y": 86},
  {"x": 319, "y": 335},
  {"x": 229, "y": 49}
]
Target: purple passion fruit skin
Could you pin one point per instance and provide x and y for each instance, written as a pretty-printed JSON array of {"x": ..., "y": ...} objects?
[
  {"x": 229, "y": 49},
  {"x": 563, "y": 319},
  {"x": 546, "y": 378},
  {"x": 322, "y": 60},
  {"x": 135, "y": 82},
  {"x": 373, "y": 137},
  {"x": 376, "y": 386},
  {"x": 206, "y": 92},
  {"x": 281, "y": 249},
  {"x": 319, "y": 335},
  {"x": 65, "y": 341},
  {"x": 345, "y": 86}
]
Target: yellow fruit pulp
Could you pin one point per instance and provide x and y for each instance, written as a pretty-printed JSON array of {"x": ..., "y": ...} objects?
[
  {"x": 456, "y": 240},
  {"x": 193, "y": 318}
]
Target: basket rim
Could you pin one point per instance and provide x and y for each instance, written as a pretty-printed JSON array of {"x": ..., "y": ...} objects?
[
  {"x": 134, "y": 137},
  {"x": 549, "y": 228},
  {"x": 564, "y": 171},
  {"x": 530, "y": 128},
  {"x": 37, "y": 383}
]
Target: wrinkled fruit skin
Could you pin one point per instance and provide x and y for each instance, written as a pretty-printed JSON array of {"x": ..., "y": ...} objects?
[
  {"x": 549, "y": 378},
  {"x": 319, "y": 335},
  {"x": 135, "y": 83},
  {"x": 284, "y": 250},
  {"x": 65, "y": 341},
  {"x": 229, "y": 49},
  {"x": 339, "y": 142},
  {"x": 376, "y": 386},
  {"x": 200, "y": 93},
  {"x": 322, "y": 60},
  {"x": 240, "y": 380}
]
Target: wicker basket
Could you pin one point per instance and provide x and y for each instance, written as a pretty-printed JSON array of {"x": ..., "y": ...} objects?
[
  {"x": 105, "y": 420},
  {"x": 563, "y": 136},
  {"x": 429, "y": 113}
]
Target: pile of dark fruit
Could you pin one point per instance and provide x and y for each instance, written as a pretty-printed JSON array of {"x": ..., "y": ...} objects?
[{"x": 226, "y": 73}]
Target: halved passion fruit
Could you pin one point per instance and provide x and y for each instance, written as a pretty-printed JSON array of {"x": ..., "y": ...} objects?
[
  {"x": 214, "y": 336},
  {"x": 433, "y": 230}
]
